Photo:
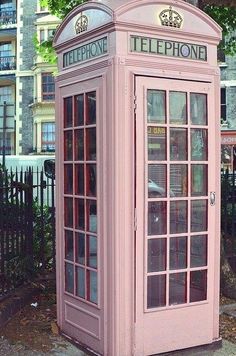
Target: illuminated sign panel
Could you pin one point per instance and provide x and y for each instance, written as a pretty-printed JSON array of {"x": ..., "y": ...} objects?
[
  {"x": 85, "y": 52},
  {"x": 168, "y": 48}
]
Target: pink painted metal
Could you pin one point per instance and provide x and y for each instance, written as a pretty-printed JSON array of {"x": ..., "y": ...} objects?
[{"x": 138, "y": 271}]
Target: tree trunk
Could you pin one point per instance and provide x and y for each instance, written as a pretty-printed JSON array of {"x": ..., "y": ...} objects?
[{"x": 228, "y": 277}]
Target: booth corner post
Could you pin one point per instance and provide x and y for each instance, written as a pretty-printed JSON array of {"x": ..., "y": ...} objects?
[{"x": 137, "y": 169}]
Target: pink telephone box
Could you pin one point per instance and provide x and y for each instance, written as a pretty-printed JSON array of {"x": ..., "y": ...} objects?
[{"x": 138, "y": 176}]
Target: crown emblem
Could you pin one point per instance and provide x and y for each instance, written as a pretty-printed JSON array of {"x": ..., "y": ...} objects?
[
  {"x": 171, "y": 18},
  {"x": 81, "y": 24}
]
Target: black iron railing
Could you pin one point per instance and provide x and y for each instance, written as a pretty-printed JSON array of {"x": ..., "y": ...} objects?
[
  {"x": 7, "y": 17},
  {"x": 27, "y": 227},
  {"x": 8, "y": 63}
]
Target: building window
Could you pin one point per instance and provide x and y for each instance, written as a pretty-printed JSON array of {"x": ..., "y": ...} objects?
[
  {"x": 9, "y": 143},
  {"x": 51, "y": 33},
  {"x": 48, "y": 137},
  {"x": 223, "y": 104},
  {"x": 41, "y": 36},
  {"x": 6, "y": 94},
  {"x": 48, "y": 87},
  {"x": 6, "y": 5}
]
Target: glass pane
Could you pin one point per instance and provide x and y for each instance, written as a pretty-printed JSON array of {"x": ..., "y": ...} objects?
[
  {"x": 198, "y": 251},
  {"x": 91, "y": 108},
  {"x": 178, "y": 288},
  {"x": 178, "y": 180},
  {"x": 156, "y": 291},
  {"x": 178, "y": 145},
  {"x": 157, "y": 218},
  {"x": 68, "y": 112},
  {"x": 69, "y": 244},
  {"x": 91, "y": 144},
  {"x": 199, "y": 150},
  {"x": 92, "y": 252},
  {"x": 156, "y": 180},
  {"x": 68, "y": 179},
  {"x": 178, "y": 252},
  {"x": 79, "y": 145},
  {"x": 198, "y": 215},
  {"x": 91, "y": 180},
  {"x": 79, "y": 179},
  {"x": 178, "y": 107},
  {"x": 79, "y": 110},
  {"x": 156, "y": 143},
  {"x": 80, "y": 248},
  {"x": 198, "y": 286},
  {"x": 79, "y": 214},
  {"x": 198, "y": 109},
  {"x": 80, "y": 282},
  {"x": 178, "y": 217},
  {"x": 156, "y": 255},
  {"x": 69, "y": 278},
  {"x": 68, "y": 145},
  {"x": 68, "y": 212},
  {"x": 92, "y": 215},
  {"x": 199, "y": 179},
  {"x": 92, "y": 286},
  {"x": 156, "y": 106}
]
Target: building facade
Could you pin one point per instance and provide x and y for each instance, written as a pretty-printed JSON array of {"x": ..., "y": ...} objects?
[
  {"x": 228, "y": 111},
  {"x": 26, "y": 81}
]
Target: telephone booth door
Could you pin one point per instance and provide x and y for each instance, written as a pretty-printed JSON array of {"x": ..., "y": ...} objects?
[{"x": 176, "y": 184}]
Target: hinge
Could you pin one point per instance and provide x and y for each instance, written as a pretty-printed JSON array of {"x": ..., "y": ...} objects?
[
  {"x": 135, "y": 219},
  {"x": 135, "y": 103}
]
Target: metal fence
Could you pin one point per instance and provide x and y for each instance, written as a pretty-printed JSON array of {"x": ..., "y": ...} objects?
[
  {"x": 228, "y": 215},
  {"x": 27, "y": 226}
]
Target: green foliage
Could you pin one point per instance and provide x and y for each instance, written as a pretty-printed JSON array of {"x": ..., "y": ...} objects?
[
  {"x": 45, "y": 50},
  {"x": 226, "y": 18},
  {"x": 61, "y": 8}
]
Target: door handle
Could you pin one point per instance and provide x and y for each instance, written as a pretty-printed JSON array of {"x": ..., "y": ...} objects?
[{"x": 212, "y": 198}]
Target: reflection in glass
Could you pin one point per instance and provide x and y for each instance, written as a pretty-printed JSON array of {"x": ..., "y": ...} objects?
[
  {"x": 198, "y": 179},
  {"x": 179, "y": 180},
  {"x": 80, "y": 282},
  {"x": 198, "y": 215},
  {"x": 80, "y": 248},
  {"x": 156, "y": 180},
  {"x": 91, "y": 180},
  {"x": 79, "y": 179},
  {"x": 92, "y": 251},
  {"x": 91, "y": 144},
  {"x": 69, "y": 278},
  {"x": 68, "y": 145},
  {"x": 68, "y": 112},
  {"x": 198, "y": 286},
  {"x": 156, "y": 143},
  {"x": 69, "y": 244},
  {"x": 91, "y": 108},
  {"x": 93, "y": 286},
  {"x": 79, "y": 214},
  {"x": 79, "y": 110},
  {"x": 178, "y": 217},
  {"x": 199, "y": 147},
  {"x": 178, "y": 252},
  {"x": 178, "y": 107},
  {"x": 79, "y": 145},
  {"x": 156, "y": 106},
  {"x": 68, "y": 178},
  {"x": 156, "y": 218},
  {"x": 92, "y": 215},
  {"x": 178, "y": 144},
  {"x": 198, "y": 109},
  {"x": 156, "y": 255},
  {"x": 68, "y": 212},
  {"x": 156, "y": 291},
  {"x": 178, "y": 288},
  {"x": 198, "y": 251}
]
